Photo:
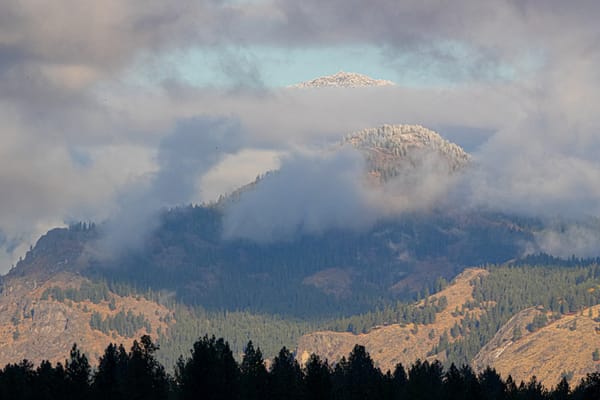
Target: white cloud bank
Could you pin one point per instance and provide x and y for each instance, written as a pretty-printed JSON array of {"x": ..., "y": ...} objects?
[{"x": 77, "y": 134}]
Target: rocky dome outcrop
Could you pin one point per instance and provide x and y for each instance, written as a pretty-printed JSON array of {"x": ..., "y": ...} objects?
[{"x": 395, "y": 149}]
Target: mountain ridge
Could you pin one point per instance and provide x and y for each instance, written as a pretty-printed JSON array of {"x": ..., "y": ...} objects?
[{"x": 335, "y": 288}]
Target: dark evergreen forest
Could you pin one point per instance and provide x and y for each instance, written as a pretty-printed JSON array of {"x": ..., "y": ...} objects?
[
  {"x": 506, "y": 290},
  {"x": 188, "y": 255},
  {"x": 242, "y": 290},
  {"x": 211, "y": 372}
]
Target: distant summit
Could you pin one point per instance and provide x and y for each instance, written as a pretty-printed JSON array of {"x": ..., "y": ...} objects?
[{"x": 343, "y": 79}]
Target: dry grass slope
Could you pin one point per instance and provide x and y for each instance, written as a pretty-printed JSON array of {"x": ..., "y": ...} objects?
[
  {"x": 389, "y": 345},
  {"x": 564, "y": 346},
  {"x": 49, "y": 331}
]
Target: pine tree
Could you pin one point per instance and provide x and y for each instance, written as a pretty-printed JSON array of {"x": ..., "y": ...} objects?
[
  {"x": 534, "y": 390},
  {"x": 399, "y": 380},
  {"x": 285, "y": 377},
  {"x": 492, "y": 386},
  {"x": 425, "y": 380},
  {"x": 211, "y": 370},
  {"x": 588, "y": 388},
  {"x": 109, "y": 379},
  {"x": 562, "y": 390},
  {"x": 454, "y": 384},
  {"x": 364, "y": 380},
  {"x": 146, "y": 377},
  {"x": 16, "y": 381},
  {"x": 254, "y": 374},
  {"x": 517, "y": 334},
  {"x": 78, "y": 374},
  {"x": 317, "y": 378},
  {"x": 50, "y": 382}
]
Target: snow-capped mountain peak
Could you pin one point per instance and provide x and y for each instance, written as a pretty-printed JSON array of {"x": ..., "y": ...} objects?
[{"x": 343, "y": 79}]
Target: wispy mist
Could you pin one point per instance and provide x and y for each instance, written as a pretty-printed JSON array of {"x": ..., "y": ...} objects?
[
  {"x": 196, "y": 145},
  {"x": 86, "y": 134},
  {"x": 580, "y": 240},
  {"x": 310, "y": 193},
  {"x": 316, "y": 191}
]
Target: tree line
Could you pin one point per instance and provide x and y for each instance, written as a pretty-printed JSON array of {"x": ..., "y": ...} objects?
[{"x": 211, "y": 372}]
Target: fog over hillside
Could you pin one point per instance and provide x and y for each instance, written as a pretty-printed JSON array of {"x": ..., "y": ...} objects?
[
  {"x": 371, "y": 175},
  {"x": 114, "y": 112}
]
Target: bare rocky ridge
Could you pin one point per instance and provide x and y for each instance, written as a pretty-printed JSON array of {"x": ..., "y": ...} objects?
[{"x": 342, "y": 79}]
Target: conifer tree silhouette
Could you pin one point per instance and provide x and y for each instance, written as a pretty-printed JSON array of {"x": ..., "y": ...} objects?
[
  {"x": 317, "y": 378},
  {"x": 254, "y": 375},
  {"x": 210, "y": 373},
  {"x": 285, "y": 377},
  {"x": 78, "y": 371}
]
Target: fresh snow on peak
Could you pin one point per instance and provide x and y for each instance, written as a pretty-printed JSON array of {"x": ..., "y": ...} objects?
[
  {"x": 395, "y": 149},
  {"x": 399, "y": 139},
  {"x": 343, "y": 79}
]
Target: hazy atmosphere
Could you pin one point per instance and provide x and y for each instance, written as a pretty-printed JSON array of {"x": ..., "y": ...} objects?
[{"x": 113, "y": 110}]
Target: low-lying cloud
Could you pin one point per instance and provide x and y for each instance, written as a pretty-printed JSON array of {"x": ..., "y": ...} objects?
[
  {"x": 196, "y": 145},
  {"x": 310, "y": 193},
  {"x": 580, "y": 240},
  {"x": 81, "y": 139},
  {"x": 316, "y": 191}
]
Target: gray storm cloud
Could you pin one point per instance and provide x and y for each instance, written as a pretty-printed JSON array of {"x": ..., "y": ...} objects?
[{"x": 78, "y": 141}]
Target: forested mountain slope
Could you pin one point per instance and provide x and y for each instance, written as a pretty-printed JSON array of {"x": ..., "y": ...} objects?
[
  {"x": 372, "y": 286},
  {"x": 496, "y": 316},
  {"x": 405, "y": 342},
  {"x": 186, "y": 256},
  {"x": 336, "y": 272},
  {"x": 522, "y": 320}
]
